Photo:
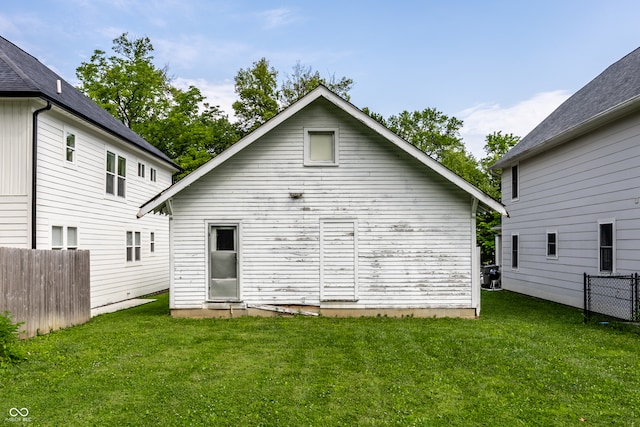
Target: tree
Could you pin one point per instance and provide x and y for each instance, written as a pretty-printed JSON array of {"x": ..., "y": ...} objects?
[
  {"x": 304, "y": 80},
  {"x": 430, "y": 130},
  {"x": 135, "y": 91},
  {"x": 257, "y": 88},
  {"x": 127, "y": 85},
  {"x": 260, "y": 98}
]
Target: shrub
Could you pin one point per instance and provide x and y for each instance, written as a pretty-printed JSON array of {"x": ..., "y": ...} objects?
[{"x": 10, "y": 351}]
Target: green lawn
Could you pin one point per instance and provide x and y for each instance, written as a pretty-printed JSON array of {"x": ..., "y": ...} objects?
[{"x": 524, "y": 362}]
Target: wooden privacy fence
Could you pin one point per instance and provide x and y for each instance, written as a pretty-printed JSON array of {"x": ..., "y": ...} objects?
[{"x": 47, "y": 290}]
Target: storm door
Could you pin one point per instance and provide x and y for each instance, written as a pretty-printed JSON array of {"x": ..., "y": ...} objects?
[
  {"x": 338, "y": 260},
  {"x": 223, "y": 263}
]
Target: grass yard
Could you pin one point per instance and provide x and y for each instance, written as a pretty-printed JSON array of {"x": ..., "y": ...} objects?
[{"x": 525, "y": 362}]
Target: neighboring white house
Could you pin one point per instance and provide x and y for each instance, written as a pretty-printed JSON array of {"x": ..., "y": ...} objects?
[
  {"x": 323, "y": 207},
  {"x": 572, "y": 189},
  {"x": 85, "y": 183}
]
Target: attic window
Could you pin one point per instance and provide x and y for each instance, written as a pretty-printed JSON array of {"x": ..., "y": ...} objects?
[{"x": 321, "y": 147}]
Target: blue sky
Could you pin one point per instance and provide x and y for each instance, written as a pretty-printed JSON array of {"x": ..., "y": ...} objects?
[{"x": 496, "y": 65}]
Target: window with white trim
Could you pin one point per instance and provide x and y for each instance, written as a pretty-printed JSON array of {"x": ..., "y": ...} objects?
[
  {"x": 134, "y": 246},
  {"x": 116, "y": 174},
  {"x": 63, "y": 237},
  {"x": 152, "y": 174},
  {"x": 552, "y": 244},
  {"x": 70, "y": 147},
  {"x": 606, "y": 246},
  {"x": 141, "y": 170},
  {"x": 321, "y": 147},
  {"x": 152, "y": 242}
]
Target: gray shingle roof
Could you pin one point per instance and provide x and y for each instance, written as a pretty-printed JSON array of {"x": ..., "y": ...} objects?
[
  {"x": 615, "y": 86},
  {"x": 22, "y": 75}
]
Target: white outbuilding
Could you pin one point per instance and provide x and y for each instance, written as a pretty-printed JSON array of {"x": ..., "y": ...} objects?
[{"x": 323, "y": 210}]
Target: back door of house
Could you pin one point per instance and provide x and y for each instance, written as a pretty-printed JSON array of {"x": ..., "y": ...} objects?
[
  {"x": 338, "y": 260},
  {"x": 223, "y": 263}
]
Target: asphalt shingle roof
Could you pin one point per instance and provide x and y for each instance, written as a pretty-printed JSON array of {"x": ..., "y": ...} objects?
[
  {"x": 22, "y": 75},
  {"x": 616, "y": 85}
]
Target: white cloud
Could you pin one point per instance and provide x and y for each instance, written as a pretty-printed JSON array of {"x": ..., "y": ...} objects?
[
  {"x": 277, "y": 17},
  {"x": 484, "y": 119},
  {"x": 221, "y": 94}
]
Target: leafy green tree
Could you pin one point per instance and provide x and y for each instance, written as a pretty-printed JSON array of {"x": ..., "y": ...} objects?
[
  {"x": 304, "y": 80},
  {"x": 257, "y": 88},
  {"x": 430, "y": 130},
  {"x": 135, "y": 91},
  {"x": 260, "y": 98},
  {"x": 128, "y": 85}
]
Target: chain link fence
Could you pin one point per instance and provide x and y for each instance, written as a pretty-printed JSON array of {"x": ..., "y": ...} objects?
[{"x": 611, "y": 296}]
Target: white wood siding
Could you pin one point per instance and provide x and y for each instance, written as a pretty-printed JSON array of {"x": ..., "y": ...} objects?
[
  {"x": 15, "y": 147},
  {"x": 568, "y": 189},
  {"x": 74, "y": 196},
  {"x": 14, "y": 221},
  {"x": 15, "y": 172},
  {"x": 414, "y": 228}
]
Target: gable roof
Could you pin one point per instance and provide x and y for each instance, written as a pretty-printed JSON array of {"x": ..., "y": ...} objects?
[
  {"x": 157, "y": 203},
  {"x": 22, "y": 75},
  {"x": 611, "y": 95}
]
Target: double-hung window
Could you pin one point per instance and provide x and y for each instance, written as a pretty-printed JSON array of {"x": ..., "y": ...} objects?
[
  {"x": 116, "y": 170},
  {"x": 321, "y": 147},
  {"x": 134, "y": 246},
  {"x": 606, "y": 246},
  {"x": 552, "y": 244},
  {"x": 70, "y": 147},
  {"x": 515, "y": 251},
  {"x": 141, "y": 170},
  {"x": 152, "y": 242},
  {"x": 152, "y": 174},
  {"x": 63, "y": 237}
]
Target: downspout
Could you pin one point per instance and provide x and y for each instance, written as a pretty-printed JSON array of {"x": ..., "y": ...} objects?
[{"x": 34, "y": 171}]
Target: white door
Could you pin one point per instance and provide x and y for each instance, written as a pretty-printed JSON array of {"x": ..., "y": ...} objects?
[
  {"x": 338, "y": 260},
  {"x": 223, "y": 263}
]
